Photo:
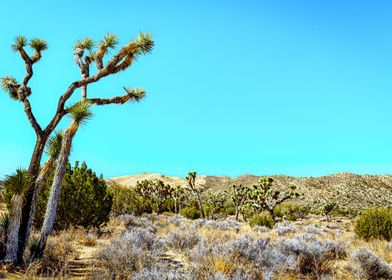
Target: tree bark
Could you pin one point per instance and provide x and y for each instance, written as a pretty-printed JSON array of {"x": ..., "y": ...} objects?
[
  {"x": 39, "y": 182},
  {"x": 13, "y": 229},
  {"x": 51, "y": 207},
  {"x": 200, "y": 204},
  {"x": 24, "y": 230}
]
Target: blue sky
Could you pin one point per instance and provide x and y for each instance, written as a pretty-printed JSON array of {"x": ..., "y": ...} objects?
[{"x": 263, "y": 87}]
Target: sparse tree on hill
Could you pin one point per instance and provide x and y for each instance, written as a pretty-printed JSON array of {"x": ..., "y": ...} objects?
[
  {"x": 239, "y": 197},
  {"x": 84, "y": 55},
  {"x": 264, "y": 198},
  {"x": 191, "y": 180},
  {"x": 327, "y": 208}
]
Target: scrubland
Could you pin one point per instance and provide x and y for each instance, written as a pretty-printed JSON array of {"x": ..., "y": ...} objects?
[{"x": 170, "y": 246}]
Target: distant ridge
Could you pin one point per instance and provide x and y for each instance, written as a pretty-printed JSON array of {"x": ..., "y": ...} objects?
[{"x": 351, "y": 191}]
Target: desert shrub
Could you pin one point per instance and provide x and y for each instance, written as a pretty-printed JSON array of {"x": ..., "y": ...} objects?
[
  {"x": 282, "y": 229},
  {"x": 190, "y": 212},
  {"x": 127, "y": 201},
  {"x": 135, "y": 250},
  {"x": 371, "y": 265},
  {"x": 58, "y": 252},
  {"x": 84, "y": 199},
  {"x": 263, "y": 219},
  {"x": 291, "y": 210},
  {"x": 314, "y": 257},
  {"x": 375, "y": 223},
  {"x": 183, "y": 240},
  {"x": 264, "y": 255}
]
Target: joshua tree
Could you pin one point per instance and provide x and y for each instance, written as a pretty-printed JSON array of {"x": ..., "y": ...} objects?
[
  {"x": 262, "y": 197},
  {"x": 177, "y": 195},
  {"x": 21, "y": 91},
  {"x": 191, "y": 179},
  {"x": 15, "y": 185},
  {"x": 80, "y": 113},
  {"x": 239, "y": 197},
  {"x": 156, "y": 191},
  {"x": 217, "y": 201},
  {"x": 328, "y": 207}
]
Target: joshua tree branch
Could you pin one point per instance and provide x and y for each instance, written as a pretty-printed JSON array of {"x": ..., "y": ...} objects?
[{"x": 30, "y": 116}]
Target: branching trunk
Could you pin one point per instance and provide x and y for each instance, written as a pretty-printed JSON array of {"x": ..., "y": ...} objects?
[
  {"x": 13, "y": 229},
  {"x": 51, "y": 207}
]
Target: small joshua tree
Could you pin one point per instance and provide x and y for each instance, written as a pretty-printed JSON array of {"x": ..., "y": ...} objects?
[
  {"x": 191, "y": 180},
  {"x": 327, "y": 208},
  {"x": 263, "y": 197},
  {"x": 217, "y": 201},
  {"x": 156, "y": 191},
  {"x": 239, "y": 197},
  {"x": 177, "y": 194}
]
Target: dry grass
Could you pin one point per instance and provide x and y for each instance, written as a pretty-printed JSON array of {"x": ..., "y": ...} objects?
[{"x": 172, "y": 247}]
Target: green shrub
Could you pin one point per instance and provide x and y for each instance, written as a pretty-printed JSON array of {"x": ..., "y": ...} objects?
[
  {"x": 190, "y": 212},
  {"x": 375, "y": 223},
  {"x": 84, "y": 199},
  {"x": 263, "y": 219},
  {"x": 291, "y": 210},
  {"x": 127, "y": 201}
]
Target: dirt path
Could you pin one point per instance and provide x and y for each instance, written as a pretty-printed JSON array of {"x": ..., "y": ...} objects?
[{"x": 84, "y": 265}]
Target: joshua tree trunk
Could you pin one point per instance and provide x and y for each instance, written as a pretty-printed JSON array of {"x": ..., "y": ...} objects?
[
  {"x": 237, "y": 213},
  {"x": 51, "y": 208},
  {"x": 175, "y": 205},
  {"x": 200, "y": 205},
  {"x": 13, "y": 229},
  {"x": 39, "y": 182}
]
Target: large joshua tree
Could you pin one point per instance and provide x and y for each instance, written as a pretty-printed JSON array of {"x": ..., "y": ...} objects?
[
  {"x": 85, "y": 54},
  {"x": 79, "y": 113}
]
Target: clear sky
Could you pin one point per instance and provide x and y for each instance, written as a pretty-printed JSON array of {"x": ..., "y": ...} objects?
[{"x": 264, "y": 87}]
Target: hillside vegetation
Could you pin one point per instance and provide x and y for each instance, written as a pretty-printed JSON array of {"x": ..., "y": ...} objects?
[{"x": 351, "y": 192}]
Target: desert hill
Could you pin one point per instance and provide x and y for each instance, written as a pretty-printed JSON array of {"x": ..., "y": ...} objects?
[{"x": 351, "y": 191}]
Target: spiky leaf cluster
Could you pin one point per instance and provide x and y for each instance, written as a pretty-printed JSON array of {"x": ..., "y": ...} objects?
[
  {"x": 144, "y": 44},
  {"x": 135, "y": 94},
  {"x": 17, "y": 183},
  {"x": 109, "y": 41},
  {"x": 20, "y": 43},
  {"x": 10, "y": 85},
  {"x": 85, "y": 44},
  {"x": 38, "y": 44},
  {"x": 80, "y": 112},
  {"x": 53, "y": 146}
]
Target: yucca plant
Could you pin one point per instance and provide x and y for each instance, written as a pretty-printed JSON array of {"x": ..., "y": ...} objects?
[
  {"x": 79, "y": 113},
  {"x": 15, "y": 187}
]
